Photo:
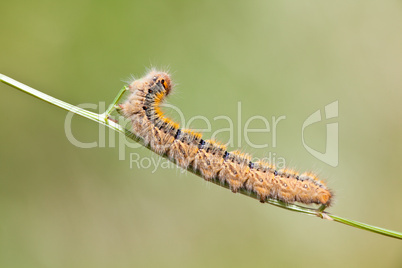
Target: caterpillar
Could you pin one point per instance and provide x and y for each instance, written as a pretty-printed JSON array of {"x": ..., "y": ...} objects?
[{"x": 210, "y": 158}]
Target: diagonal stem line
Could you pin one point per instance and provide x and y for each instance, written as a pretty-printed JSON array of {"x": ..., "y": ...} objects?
[{"x": 104, "y": 120}]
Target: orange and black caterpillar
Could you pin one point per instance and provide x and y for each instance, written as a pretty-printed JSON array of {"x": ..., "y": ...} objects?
[{"x": 211, "y": 159}]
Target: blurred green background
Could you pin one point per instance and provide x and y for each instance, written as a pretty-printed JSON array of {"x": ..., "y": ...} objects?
[{"x": 64, "y": 206}]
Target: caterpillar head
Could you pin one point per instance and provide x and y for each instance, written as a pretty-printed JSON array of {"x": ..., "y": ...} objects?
[
  {"x": 153, "y": 77},
  {"x": 162, "y": 78}
]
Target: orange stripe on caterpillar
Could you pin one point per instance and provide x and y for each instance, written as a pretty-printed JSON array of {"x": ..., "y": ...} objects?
[{"x": 211, "y": 159}]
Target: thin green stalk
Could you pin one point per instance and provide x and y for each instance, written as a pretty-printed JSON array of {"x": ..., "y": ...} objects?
[{"x": 105, "y": 120}]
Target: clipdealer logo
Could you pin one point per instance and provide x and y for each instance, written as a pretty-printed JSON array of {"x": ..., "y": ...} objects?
[{"x": 330, "y": 156}]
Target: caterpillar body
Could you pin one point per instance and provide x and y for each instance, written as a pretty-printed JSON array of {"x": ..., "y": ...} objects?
[{"x": 209, "y": 157}]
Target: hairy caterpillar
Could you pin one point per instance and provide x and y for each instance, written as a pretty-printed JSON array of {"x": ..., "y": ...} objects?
[{"x": 210, "y": 158}]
